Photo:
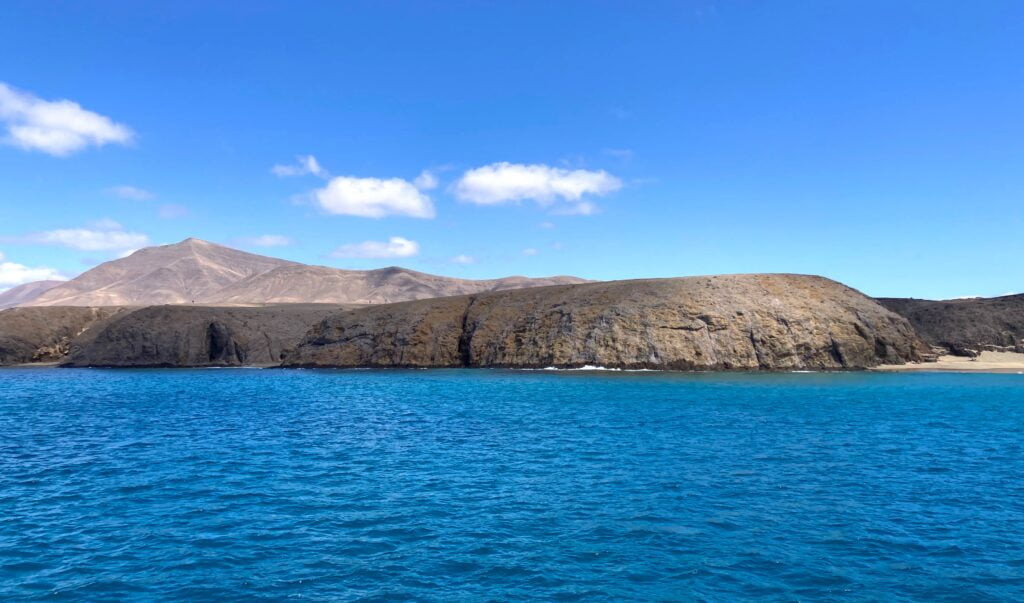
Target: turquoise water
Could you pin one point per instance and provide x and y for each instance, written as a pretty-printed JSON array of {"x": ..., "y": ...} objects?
[{"x": 475, "y": 485}]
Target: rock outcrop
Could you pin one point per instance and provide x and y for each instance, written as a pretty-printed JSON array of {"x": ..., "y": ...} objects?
[
  {"x": 966, "y": 327},
  {"x": 197, "y": 336},
  {"x": 45, "y": 334},
  {"x": 733, "y": 322}
]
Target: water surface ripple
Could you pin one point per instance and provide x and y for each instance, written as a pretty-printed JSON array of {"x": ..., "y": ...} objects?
[{"x": 498, "y": 485}]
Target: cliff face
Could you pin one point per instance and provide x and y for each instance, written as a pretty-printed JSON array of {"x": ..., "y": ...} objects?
[
  {"x": 963, "y": 325},
  {"x": 697, "y": 323},
  {"x": 194, "y": 336},
  {"x": 46, "y": 334},
  {"x": 741, "y": 322}
]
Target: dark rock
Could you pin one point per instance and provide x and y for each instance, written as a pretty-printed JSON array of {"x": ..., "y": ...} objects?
[
  {"x": 45, "y": 334},
  {"x": 195, "y": 336},
  {"x": 742, "y": 322},
  {"x": 966, "y": 326}
]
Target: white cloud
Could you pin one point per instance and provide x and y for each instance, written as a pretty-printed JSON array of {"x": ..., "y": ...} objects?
[
  {"x": 12, "y": 275},
  {"x": 463, "y": 259},
  {"x": 530, "y": 251},
  {"x": 509, "y": 182},
  {"x": 269, "y": 240},
  {"x": 171, "y": 211},
  {"x": 395, "y": 247},
  {"x": 426, "y": 181},
  {"x": 131, "y": 192},
  {"x": 102, "y": 235},
  {"x": 305, "y": 165},
  {"x": 59, "y": 127},
  {"x": 373, "y": 198}
]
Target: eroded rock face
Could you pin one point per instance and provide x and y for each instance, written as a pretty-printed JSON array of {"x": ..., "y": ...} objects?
[
  {"x": 45, "y": 334},
  {"x": 742, "y": 322},
  {"x": 194, "y": 336},
  {"x": 966, "y": 327}
]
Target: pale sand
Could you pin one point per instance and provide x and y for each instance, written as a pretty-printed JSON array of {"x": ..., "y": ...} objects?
[{"x": 988, "y": 362}]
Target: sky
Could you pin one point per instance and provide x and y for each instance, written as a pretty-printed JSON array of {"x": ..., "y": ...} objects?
[{"x": 880, "y": 144}]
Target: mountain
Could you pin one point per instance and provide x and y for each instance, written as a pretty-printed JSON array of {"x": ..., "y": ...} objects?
[
  {"x": 22, "y": 294},
  {"x": 317, "y": 284},
  {"x": 195, "y": 271}
]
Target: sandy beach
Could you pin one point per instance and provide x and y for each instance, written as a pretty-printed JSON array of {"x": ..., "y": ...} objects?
[{"x": 988, "y": 362}]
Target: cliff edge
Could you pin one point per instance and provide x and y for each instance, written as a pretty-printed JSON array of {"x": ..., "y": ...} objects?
[{"x": 729, "y": 322}]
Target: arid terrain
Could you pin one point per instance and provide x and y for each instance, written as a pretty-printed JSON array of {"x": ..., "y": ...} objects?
[{"x": 200, "y": 304}]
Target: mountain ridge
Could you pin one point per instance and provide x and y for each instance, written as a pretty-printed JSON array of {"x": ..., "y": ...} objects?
[
  {"x": 201, "y": 272},
  {"x": 16, "y": 296}
]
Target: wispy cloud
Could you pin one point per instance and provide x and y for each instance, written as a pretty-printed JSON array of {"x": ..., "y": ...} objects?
[
  {"x": 170, "y": 211},
  {"x": 426, "y": 181},
  {"x": 623, "y": 154},
  {"x": 530, "y": 251},
  {"x": 102, "y": 235},
  {"x": 58, "y": 128},
  {"x": 395, "y": 247},
  {"x": 582, "y": 208},
  {"x": 269, "y": 240},
  {"x": 620, "y": 113},
  {"x": 304, "y": 165},
  {"x": 373, "y": 198},
  {"x": 505, "y": 182},
  {"x": 463, "y": 259},
  {"x": 132, "y": 193}
]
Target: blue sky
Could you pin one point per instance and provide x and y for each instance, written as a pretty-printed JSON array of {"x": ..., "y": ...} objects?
[{"x": 877, "y": 143}]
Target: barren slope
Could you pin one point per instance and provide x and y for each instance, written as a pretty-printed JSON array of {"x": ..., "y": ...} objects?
[
  {"x": 195, "y": 271},
  {"x": 773, "y": 321},
  {"x": 168, "y": 274},
  {"x": 22, "y": 294}
]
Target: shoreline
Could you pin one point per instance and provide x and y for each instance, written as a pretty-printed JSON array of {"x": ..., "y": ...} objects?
[
  {"x": 945, "y": 364},
  {"x": 987, "y": 362}
]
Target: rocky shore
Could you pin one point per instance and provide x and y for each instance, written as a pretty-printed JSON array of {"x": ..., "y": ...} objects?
[
  {"x": 966, "y": 327},
  {"x": 196, "y": 336},
  {"x": 733, "y": 322}
]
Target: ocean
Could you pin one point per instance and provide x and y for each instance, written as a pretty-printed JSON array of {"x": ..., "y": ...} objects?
[{"x": 473, "y": 485}]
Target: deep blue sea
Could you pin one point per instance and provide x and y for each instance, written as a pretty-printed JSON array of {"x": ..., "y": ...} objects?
[{"x": 472, "y": 485}]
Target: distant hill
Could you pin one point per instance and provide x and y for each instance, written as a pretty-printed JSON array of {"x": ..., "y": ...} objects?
[
  {"x": 195, "y": 271},
  {"x": 22, "y": 294},
  {"x": 966, "y": 324}
]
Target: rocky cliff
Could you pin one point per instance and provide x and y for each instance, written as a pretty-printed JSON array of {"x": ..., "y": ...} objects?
[
  {"x": 195, "y": 336},
  {"x": 46, "y": 334},
  {"x": 698, "y": 323},
  {"x": 966, "y": 326}
]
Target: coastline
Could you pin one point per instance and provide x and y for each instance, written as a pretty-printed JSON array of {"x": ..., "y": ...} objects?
[{"x": 987, "y": 362}]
